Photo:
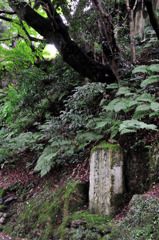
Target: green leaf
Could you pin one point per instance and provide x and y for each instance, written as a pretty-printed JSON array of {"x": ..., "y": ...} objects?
[
  {"x": 45, "y": 170},
  {"x": 112, "y": 104},
  {"x": 139, "y": 115},
  {"x": 127, "y": 130},
  {"x": 123, "y": 91},
  {"x": 155, "y": 106},
  {"x": 88, "y": 136},
  {"x": 114, "y": 133},
  {"x": 154, "y": 114},
  {"x": 132, "y": 103},
  {"x": 135, "y": 125},
  {"x": 112, "y": 86},
  {"x": 153, "y": 68},
  {"x": 120, "y": 106},
  {"x": 145, "y": 98},
  {"x": 102, "y": 124},
  {"x": 140, "y": 69},
  {"x": 143, "y": 107},
  {"x": 150, "y": 80}
]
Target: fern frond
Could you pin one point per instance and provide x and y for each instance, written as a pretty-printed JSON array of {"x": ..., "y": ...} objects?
[
  {"x": 134, "y": 125},
  {"x": 153, "y": 68},
  {"x": 123, "y": 91},
  {"x": 150, "y": 80},
  {"x": 140, "y": 69}
]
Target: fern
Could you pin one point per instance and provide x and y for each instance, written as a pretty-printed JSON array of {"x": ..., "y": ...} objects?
[
  {"x": 153, "y": 68},
  {"x": 146, "y": 69},
  {"x": 140, "y": 69},
  {"x": 124, "y": 91},
  {"x": 146, "y": 97},
  {"x": 143, "y": 107},
  {"x": 155, "y": 106},
  {"x": 54, "y": 154},
  {"x": 133, "y": 125},
  {"x": 45, "y": 161},
  {"x": 150, "y": 80},
  {"x": 88, "y": 136}
]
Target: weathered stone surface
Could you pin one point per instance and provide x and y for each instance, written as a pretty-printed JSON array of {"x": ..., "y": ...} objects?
[
  {"x": 136, "y": 171},
  {"x": 106, "y": 179}
]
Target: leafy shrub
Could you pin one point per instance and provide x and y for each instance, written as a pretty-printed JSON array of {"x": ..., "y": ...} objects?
[
  {"x": 10, "y": 144},
  {"x": 129, "y": 110}
]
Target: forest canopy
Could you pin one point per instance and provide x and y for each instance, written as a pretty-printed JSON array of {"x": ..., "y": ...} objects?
[{"x": 84, "y": 32}]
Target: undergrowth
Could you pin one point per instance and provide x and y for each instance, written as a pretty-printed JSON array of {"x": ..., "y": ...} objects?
[{"x": 58, "y": 118}]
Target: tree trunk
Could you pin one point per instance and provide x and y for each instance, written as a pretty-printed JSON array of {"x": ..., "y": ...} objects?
[
  {"x": 153, "y": 17},
  {"x": 54, "y": 31},
  {"x": 107, "y": 36},
  {"x": 132, "y": 29}
]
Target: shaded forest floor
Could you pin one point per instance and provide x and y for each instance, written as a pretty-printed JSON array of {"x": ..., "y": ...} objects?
[{"x": 30, "y": 183}]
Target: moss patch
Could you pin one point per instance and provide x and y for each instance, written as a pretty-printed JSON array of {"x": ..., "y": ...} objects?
[
  {"x": 115, "y": 150},
  {"x": 141, "y": 222},
  {"x": 105, "y": 145},
  {"x": 40, "y": 217},
  {"x": 83, "y": 225}
]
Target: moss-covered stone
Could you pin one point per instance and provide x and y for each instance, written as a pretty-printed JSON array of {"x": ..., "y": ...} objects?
[
  {"x": 141, "y": 222},
  {"x": 40, "y": 217},
  {"x": 88, "y": 226},
  {"x": 106, "y": 178},
  {"x": 106, "y": 145},
  {"x": 78, "y": 197}
]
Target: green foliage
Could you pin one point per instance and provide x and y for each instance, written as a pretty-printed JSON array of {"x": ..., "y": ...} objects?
[
  {"x": 22, "y": 57},
  {"x": 11, "y": 144},
  {"x": 55, "y": 154},
  {"x": 41, "y": 216},
  {"x": 57, "y": 104},
  {"x": 9, "y": 101},
  {"x": 131, "y": 107},
  {"x": 141, "y": 221},
  {"x": 66, "y": 146},
  {"x": 128, "y": 113},
  {"x": 133, "y": 125}
]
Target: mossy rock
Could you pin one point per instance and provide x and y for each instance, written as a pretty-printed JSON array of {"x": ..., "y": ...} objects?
[
  {"x": 43, "y": 214},
  {"x": 83, "y": 225},
  {"x": 141, "y": 222},
  {"x": 78, "y": 197}
]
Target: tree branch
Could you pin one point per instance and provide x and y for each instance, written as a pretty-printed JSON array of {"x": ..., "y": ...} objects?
[
  {"x": 7, "y": 39},
  {"x": 7, "y": 12},
  {"x": 54, "y": 31},
  {"x": 6, "y": 19},
  {"x": 30, "y": 37},
  {"x": 152, "y": 15}
]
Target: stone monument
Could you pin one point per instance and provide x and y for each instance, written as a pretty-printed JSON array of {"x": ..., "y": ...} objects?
[{"x": 106, "y": 179}]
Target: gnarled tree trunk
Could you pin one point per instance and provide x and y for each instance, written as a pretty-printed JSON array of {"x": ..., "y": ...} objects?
[{"x": 55, "y": 31}]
